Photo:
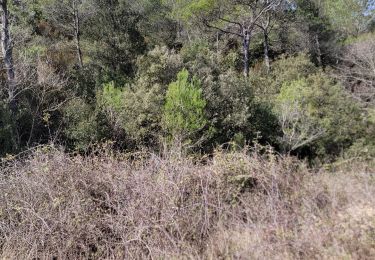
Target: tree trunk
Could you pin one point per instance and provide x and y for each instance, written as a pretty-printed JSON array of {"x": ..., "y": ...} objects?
[
  {"x": 266, "y": 52},
  {"x": 217, "y": 45},
  {"x": 246, "y": 52},
  {"x": 319, "y": 52},
  {"x": 7, "y": 49},
  {"x": 77, "y": 34}
]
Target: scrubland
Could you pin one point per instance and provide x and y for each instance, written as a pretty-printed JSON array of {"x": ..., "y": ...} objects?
[{"x": 247, "y": 204}]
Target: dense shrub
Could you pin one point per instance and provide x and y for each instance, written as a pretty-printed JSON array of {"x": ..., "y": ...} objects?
[
  {"x": 316, "y": 110},
  {"x": 184, "y": 109},
  {"x": 175, "y": 153},
  {"x": 284, "y": 69},
  {"x": 81, "y": 128},
  {"x": 234, "y": 205},
  {"x": 364, "y": 147},
  {"x": 142, "y": 101}
]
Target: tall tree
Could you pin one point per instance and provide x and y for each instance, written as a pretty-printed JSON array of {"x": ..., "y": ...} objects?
[
  {"x": 115, "y": 37},
  {"x": 350, "y": 17},
  {"x": 238, "y": 18},
  {"x": 7, "y": 50},
  {"x": 267, "y": 23},
  {"x": 68, "y": 15},
  {"x": 184, "y": 109},
  {"x": 316, "y": 28}
]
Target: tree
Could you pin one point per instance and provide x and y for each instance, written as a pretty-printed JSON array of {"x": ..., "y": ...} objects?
[
  {"x": 267, "y": 24},
  {"x": 238, "y": 18},
  {"x": 184, "y": 113},
  {"x": 7, "y": 50},
  {"x": 319, "y": 38},
  {"x": 6, "y": 130},
  {"x": 298, "y": 128},
  {"x": 115, "y": 39},
  {"x": 68, "y": 15},
  {"x": 351, "y": 17},
  {"x": 144, "y": 99},
  {"x": 357, "y": 69},
  {"x": 316, "y": 112},
  {"x": 82, "y": 128}
]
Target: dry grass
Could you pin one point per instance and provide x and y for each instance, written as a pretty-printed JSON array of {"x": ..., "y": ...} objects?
[{"x": 236, "y": 205}]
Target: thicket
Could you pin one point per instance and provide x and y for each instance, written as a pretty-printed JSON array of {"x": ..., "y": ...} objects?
[
  {"x": 249, "y": 204},
  {"x": 233, "y": 129},
  {"x": 297, "y": 76}
]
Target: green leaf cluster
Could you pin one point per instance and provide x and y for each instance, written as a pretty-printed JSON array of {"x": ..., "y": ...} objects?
[{"x": 184, "y": 108}]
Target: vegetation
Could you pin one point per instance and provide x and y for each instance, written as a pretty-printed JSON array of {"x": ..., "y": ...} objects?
[
  {"x": 184, "y": 109},
  {"x": 246, "y": 204},
  {"x": 180, "y": 88}
]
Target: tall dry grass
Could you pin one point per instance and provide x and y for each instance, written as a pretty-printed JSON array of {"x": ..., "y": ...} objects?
[{"x": 235, "y": 205}]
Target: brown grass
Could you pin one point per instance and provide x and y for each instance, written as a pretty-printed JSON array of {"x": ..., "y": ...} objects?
[{"x": 236, "y": 205}]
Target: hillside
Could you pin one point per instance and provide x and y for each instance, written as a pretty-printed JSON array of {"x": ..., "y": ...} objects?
[{"x": 187, "y": 129}]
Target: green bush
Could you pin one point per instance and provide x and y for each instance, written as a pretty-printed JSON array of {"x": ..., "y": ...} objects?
[
  {"x": 285, "y": 69},
  {"x": 236, "y": 114},
  {"x": 142, "y": 114},
  {"x": 316, "y": 111},
  {"x": 144, "y": 99},
  {"x": 81, "y": 124},
  {"x": 364, "y": 147},
  {"x": 184, "y": 110}
]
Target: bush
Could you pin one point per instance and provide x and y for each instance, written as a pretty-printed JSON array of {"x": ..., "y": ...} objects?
[
  {"x": 316, "y": 110},
  {"x": 144, "y": 99},
  {"x": 184, "y": 109},
  {"x": 81, "y": 126},
  {"x": 285, "y": 69},
  {"x": 234, "y": 111},
  {"x": 364, "y": 147},
  {"x": 111, "y": 101},
  {"x": 234, "y": 205}
]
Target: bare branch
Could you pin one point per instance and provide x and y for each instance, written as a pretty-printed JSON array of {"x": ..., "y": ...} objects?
[{"x": 221, "y": 30}]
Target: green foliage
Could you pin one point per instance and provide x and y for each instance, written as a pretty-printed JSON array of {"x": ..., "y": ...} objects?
[
  {"x": 141, "y": 117},
  {"x": 296, "y": 67},
  {"x": 132, "y": 111},
  {"x": 316, "y": 110},
  {"x": 201, "y": 60},
  {"x": 123, "y": 91},
  {"x": 115, "y": 39},
  {"x": 159, "y": 66},
  {"x": 111, "y": 111},
  {"x": 316, "y": 35},
  {"x": 186, "y": 10},
  {"x": 285, "y": 69},
  {"x": 184, "y": 113},
  {"x": 295, "y": 116},
  {"x": 157, "y": 26},
  {"x": 81, "y": 124},
  {"x": 144, "y": 99},
  {"x": 349, "y": 16},
  {"x": 234, "y": 111},
  {"x": 112, "y": 97},
  {"x": 364, "y": 146},
  {"x": 363, "y": 149}
]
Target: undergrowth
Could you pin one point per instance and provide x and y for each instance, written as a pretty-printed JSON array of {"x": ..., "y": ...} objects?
[{"x": 235, "y": 205}]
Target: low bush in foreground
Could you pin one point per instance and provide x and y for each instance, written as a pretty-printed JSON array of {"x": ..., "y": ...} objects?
[{"x": 233, "y": 205}]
